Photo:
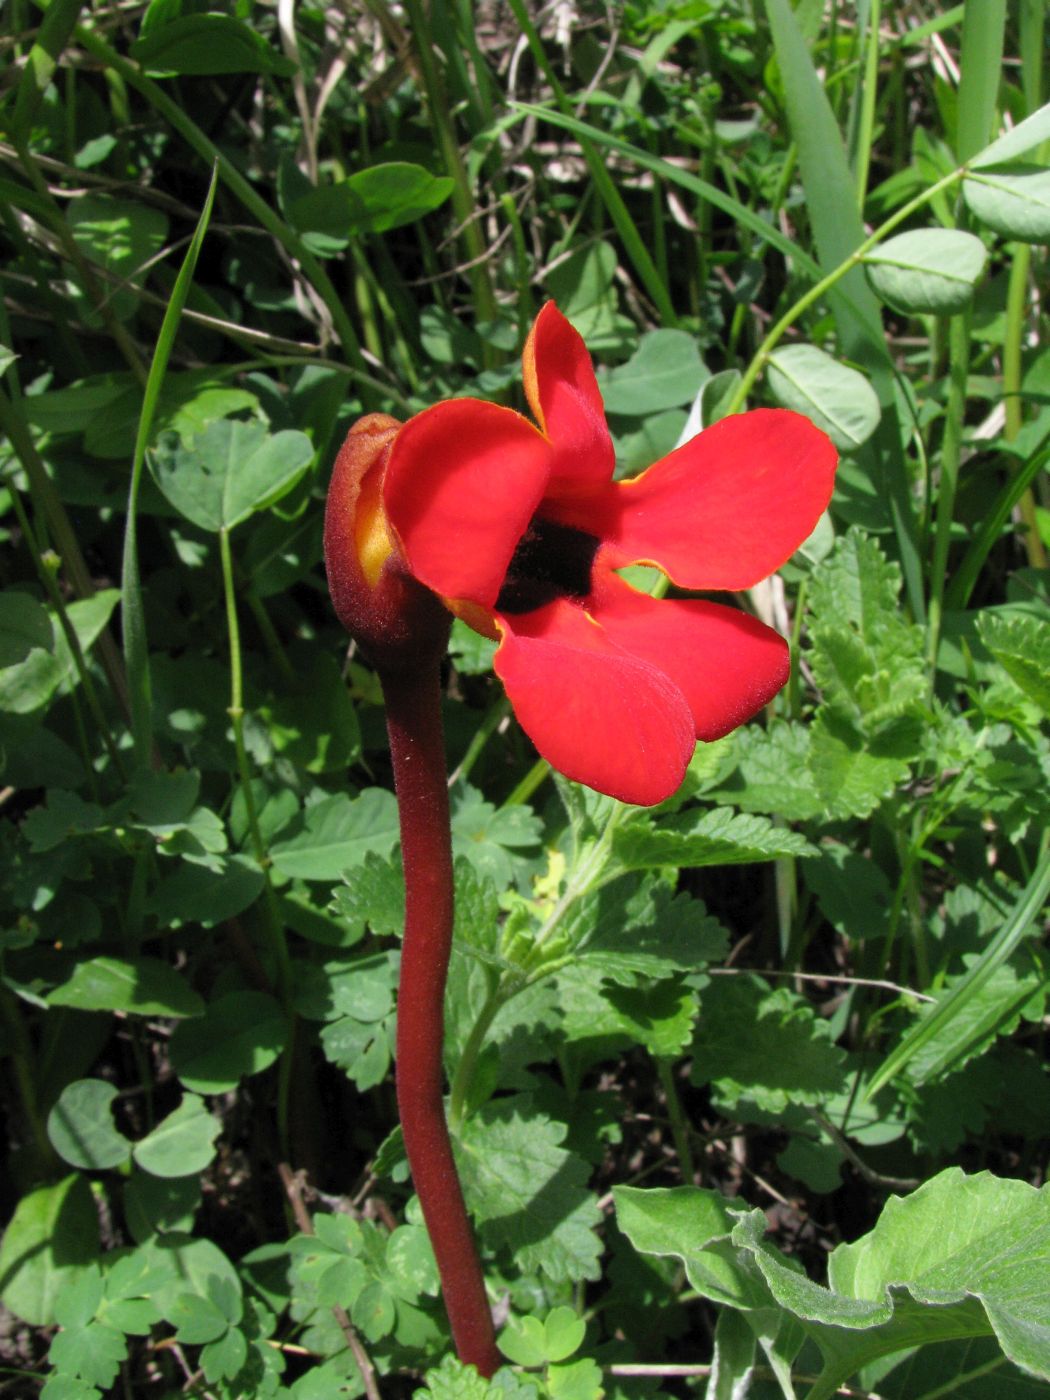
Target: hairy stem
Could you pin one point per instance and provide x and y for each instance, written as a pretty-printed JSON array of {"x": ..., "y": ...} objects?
[{"x": 417, "y": 748}]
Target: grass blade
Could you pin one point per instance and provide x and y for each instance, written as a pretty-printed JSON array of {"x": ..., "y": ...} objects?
[
  {"x": 136, "y": 651},
  {"x": 963, "y": 992}
]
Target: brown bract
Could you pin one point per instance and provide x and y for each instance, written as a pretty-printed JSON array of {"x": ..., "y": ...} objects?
[{"x": 398, "y": 623}]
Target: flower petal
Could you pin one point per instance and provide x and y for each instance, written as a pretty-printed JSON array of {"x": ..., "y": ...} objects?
[
  {"x": 564, "y": 397},
  {"x": 463, "y": 481},
  {"x": 722, "y": 511},
  {"x": 601, "y": 717},
  {"x": 726, "y": 663}
]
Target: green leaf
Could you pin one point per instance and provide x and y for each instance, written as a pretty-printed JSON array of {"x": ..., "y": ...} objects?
[
  {"x": 25, "y": 625},
  {"x": 373, "y": 897},
  {"x": 651, "y": 934},
  {"x": 959, "y": 1237},
  {"x": 716, "y": 837},
  {"x": 657, "y": 1015},
  {"x": 239, "y": 1034},
  {"x": 490, "y": 837},
  {"x": 848, "y": 776},
  {"x": 229, "y": 471},
  {"x": 930, "y": 269},
  {"x": 51, "y": 1238},
  {"x": 765, "y": 1044},
  {"x": 201, "y": 45},
  {"x": 838, "y": 399},
  {"x": 454, "y": 1380},
  {"x": 138, "y": 986},
  {"x": 1021, "y": 645},
  {"x": 523, "y": 1341},
  {"x": 471, "y": 652},
  {"x": 1014, "y": 201},
  {"x": 664, "y": 372},
  {"x": 772, "y": 775},
  {"x": 121, "y": 236},
  {"x": 315, "y": 727},
  {"x": 196, "y": 894},
  {"x": 93, "y": 1351},
  {"x": 181, "y": 1144},
  {"x": 375, "y": 200},
  {"x": 1016, "y": 141},
  {"x": 223, "y": 1358},
  {"x": 197, "y": 1319},
  {"x": 527, "y": 1193},
  {"x": 82, "y": 1130},
  {"x": 182, "y": 1265},
  {"x": 335, "y": 834}
]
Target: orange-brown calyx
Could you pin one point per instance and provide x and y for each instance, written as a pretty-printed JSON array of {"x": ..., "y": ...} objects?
[{"x": 398, "y": 623}]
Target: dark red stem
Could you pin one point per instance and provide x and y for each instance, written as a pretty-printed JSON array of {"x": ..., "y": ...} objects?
[{"x": 413, "y": 716}]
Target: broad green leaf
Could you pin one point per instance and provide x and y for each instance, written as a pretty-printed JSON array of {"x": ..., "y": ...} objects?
[
  {"x": 186, "y": 1265},
  {"x": 1014, "y": 201},
  {"x": 230, "y": 471},
  {"x": 316, "y": 726},
  {"x": 1021, "y": 645},
  {"x": 93, "y": 1351},
  {"x": 335, "y": 834},
  {"x": 223, "y": 1358},
  {"x": 138, "y": 986},
  {"x": 765, "y": 1044},
  {"x": 664, "y": 372},
  {"x": 121, "y": 236},
  {"x": 1017, "y": 141},
  {"x": 564, "y": 1331},
  {"x": 375, "y": 200},
  {"x": 25, "y": 626},
  {"x": 181, "y": 1144},
  {"x": 716, "y": 837},
  {"x": 658, "y": 1015},
  {"x": 196, "y": 894},
  {"x": 158, "y": 1205},
  {"x": 240, "y": 1034},
  {"x": 930, "y": 269},
  {"x": 848, "y": 775},
  {"x": 363, "y": 1049},
  {"x": 197, "y": 1319},
  {"x": 527, "y": 1193},
  {"x": 373, "y": 897},
  {"x": 649, "y": 934},
  {"x": 523, "y": 1342},
  {"x": 974, "y": 1369},
  {"x": 685, "y": 1222},
  {"x": 201, "y": 45},
  {"x": 838, "y": 399},
  {"x": 51, "y": 1238},
  {"x": 960, "y": 1237},
  {"x": 82, "y": 1130}
]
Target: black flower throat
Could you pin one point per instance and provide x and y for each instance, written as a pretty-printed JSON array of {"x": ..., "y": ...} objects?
[{"x": 551, "y": 561}]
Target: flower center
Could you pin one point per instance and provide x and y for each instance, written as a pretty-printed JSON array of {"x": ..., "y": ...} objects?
[{"x": 551, "y": 561}]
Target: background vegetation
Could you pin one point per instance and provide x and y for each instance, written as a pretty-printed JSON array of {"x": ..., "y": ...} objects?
[{"x": 692, "y": 1052}]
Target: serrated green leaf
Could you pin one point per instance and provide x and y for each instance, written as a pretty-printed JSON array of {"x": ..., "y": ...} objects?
[
  {"x": 82, "y": 1130},
  {"x": 239, "y": 1034},
  {"x": 92, "y": 1351},
  {"x": 932, "y": 269},
  {"x": 490, "y": 837},
  {"x": 848, "y": 777},
  {"x": 137, "y": 986},
  {"x": 181, "y": 1144},
  {"x": 717, "y": 837},
  {"x": 1021, "y": 645},
  {"x": 765, "y": 1044},
  {"x": 650, "y": 933},
  {"x": 526, "y": 1192},
  {"x": 838, "y": 399},
  {"x": 772, "y": 774},
  {"x": 196, "y": 1319},
  {"x": 336, "y": 834},
  {"x": 453, "y": 1380},
  {"x": 1013, "y": 200}
]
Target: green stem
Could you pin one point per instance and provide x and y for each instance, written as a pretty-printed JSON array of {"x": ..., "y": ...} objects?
[
  {"x": 679, "y": 1123},
  {"x": 464, "y": 1075},
  {"x": 1017, "y": 303},
  {"x": 537, "y": 774},
  {"x": 814, "y": 294},
  {"x": 951, "y": 454},
  {"x": 869, "y": 93}
]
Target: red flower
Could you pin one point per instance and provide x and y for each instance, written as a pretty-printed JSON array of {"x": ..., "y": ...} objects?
[{"x": 520, "y": 530}]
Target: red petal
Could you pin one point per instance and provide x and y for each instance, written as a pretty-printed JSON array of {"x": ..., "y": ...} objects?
[
  {"x": 564, "y": 397},
  {"x": 463, "y": 481},
  {"x": 725, "y": 509},
  {"x": 599, "y": 716},
  {"x": 726, "y": 663}
]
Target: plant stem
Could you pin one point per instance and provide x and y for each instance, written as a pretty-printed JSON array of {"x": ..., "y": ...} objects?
[{"x": 413, "y": 712}]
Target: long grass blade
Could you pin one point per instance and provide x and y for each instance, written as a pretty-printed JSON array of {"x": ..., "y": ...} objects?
[
  {"x": 964, "y": 991},
  {"x": 136, "y": 651}
]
